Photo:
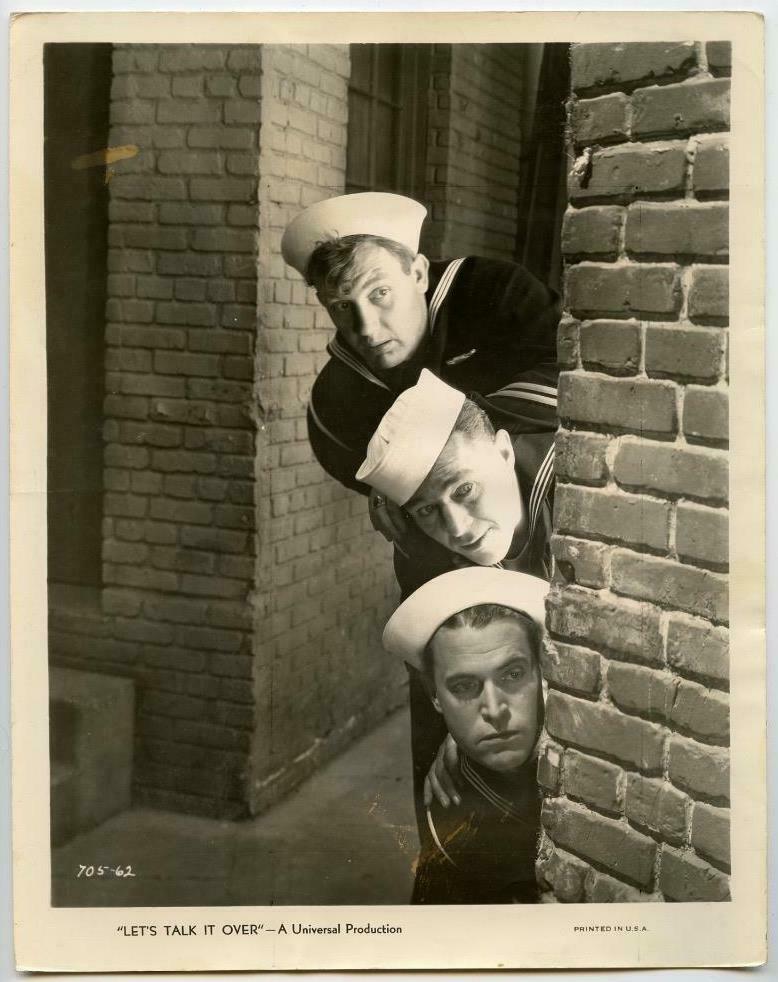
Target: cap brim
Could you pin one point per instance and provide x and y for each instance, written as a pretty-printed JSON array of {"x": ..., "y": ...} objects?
[{"x": 410, "y": 628}]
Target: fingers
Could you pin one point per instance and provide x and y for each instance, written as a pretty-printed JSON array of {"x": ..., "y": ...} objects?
[
  {"x": 387, "y": 518},
  {"x": 437, "y": 789},
  {"x": 440, "y": 782},
  {"x": 446, "y": 782}
]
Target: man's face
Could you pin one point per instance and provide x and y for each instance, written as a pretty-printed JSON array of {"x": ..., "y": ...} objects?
[
  {"x": 380, "y": 310},
  {"x": 486, "y": 681},
  {"x": 471, "y": 502}
]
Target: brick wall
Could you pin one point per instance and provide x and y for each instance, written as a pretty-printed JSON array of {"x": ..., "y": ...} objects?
[
  {"x": 243, "y": 590},
  {"x": 325, "y": 581},
  {"x": 178, "y": 426},
  {"x": 473, "y": 149},
  {"x": 636, "y": 770}
]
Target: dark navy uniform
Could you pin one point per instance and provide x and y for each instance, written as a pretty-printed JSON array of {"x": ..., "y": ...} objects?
[
  {"x": 491, "y": 334},
  {"x": 483, "y": 851},
  {"x": 492, "y": 328}
]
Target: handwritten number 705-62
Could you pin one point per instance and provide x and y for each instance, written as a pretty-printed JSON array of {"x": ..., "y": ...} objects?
[{"x": 90, "y": 871}]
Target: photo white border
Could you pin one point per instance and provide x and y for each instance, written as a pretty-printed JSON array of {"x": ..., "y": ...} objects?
[{"x": 736, "y": 928}]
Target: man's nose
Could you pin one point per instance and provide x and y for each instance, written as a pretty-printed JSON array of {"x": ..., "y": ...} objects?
[
  {"x": 493, "y": 705},
  {"x": 366, "y": 321},
  {"x": 455, "y": 520}
]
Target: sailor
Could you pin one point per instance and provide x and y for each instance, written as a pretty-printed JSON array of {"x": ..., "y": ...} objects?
[
  {"x": 485, "y": 326},
  {"x": 474, "y": 637},
  {"x": 473, "y": 495}
]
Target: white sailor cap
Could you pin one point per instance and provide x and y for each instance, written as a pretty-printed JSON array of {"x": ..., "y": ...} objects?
[
  {"x": 391, "y": 216},
  {"x": 411, "y": 627},
  {"x": 410, "y": 437}
]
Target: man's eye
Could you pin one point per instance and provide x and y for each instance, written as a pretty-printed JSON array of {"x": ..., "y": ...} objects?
[
  {"x": 425, "y": 511},
  {"x": 340, "y": 306},
  {"x": 379, "y": 293},
  {"x": 515, "y": 674},
  {"x": 463, "y": 490},
  {"x": 465, "y": 688}
]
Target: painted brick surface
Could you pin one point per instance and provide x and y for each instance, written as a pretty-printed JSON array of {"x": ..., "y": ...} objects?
[
  {"x": 473, "y": 150},
  {"x": 325, "y": 583},
  {"x": 636, "y": 769},
  {"x": 244, "y": 591},
  {"x": 178, "y": 604}
]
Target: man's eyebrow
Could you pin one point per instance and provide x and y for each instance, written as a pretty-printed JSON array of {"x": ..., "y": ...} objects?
[
  {"x": 445, "y": 476},
  {"x": 348, "y": 285}
]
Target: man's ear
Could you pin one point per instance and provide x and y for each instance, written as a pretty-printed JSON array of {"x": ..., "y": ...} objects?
[
  {"x": 502, "y": 441},
  {"x": 420, "y": 269},
  {"x": 429, "y": 688}
]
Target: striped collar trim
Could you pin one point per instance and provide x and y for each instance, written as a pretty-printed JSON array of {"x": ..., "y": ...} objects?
[
  {"x": 488, "y": 792},
  {"x": 540, "y": 488},
  {"x": 339, "y": 350}
]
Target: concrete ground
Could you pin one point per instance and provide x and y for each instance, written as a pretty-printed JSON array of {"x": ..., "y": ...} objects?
[{"x": 346, "y": 836}]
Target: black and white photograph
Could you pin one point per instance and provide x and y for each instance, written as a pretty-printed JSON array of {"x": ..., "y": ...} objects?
[{"x": 388, "y": 477}]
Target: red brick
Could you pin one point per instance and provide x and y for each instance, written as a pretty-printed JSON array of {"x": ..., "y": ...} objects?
[
  {"x": 151, "y": 434},
  {"x": 219, "y": 136},
  {"x": 686, "y": 353},
  {"x": 711, "y": 164},
  {"x": 602, "y": 120},
  {"x": 710, "y": 833},
  {"x": 183, "y": 461},
  {"x": 622, "y": 404},
  {"x": 580, "y": 457},
  {"x": 618, "y": 626},
  {"x": 632, "y": 171},
  {"x": 611, "y": 346},
  {"x": 606, "y": 842},
  {"x": 143, "y": 187},
  {"x": 690, "y": 107},
  {"x": 567, "y": 875},
  {"x": 612, "y": 515},
  {"x": 656, "y": 805},
  {"x": 567, "y": 342},
  {"x": 701, "y": 770},
  {"x": 592, "y": 231},
  {"x": 580, "y": 561},
  {"x": 642, "y": 691},
  {"x": 683, "y": 228},
  {"x": 719, "y": 56},
  {"x": 708, "y": 300},
  {"x": 605, "y": 890},
  {"x": 189, "y": 264},
  {"x": 706, "y": 414},
  {"x": 702, "y": 713},
  {"x": 617, "y": 64},
  {"x": 594, "y": 781},
  {"x": 153, "y": 337},
  {"x": 222, "y": 189},
  {"x": 549, "y": 767},
  {"x": 213, "y": 539},
  {"x": 189, "y": 314},
  {"x": 685, "y": 471},
  {"x": 685, "y": 877},
  {"x": 632, "y": 289},
  {"x": 698, "y": 649},
  {"x": 702, "y": 535},
  {"x": 662, "y": 581},
  {"x": 572, "y": 668},
  {"x": 597, "y": 727}
]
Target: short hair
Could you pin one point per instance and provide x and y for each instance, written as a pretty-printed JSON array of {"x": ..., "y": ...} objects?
[
  {"x": 332, "y": 260},
  {"x": 473, "y": 422},
  {"x": 481, "y": 615}
]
